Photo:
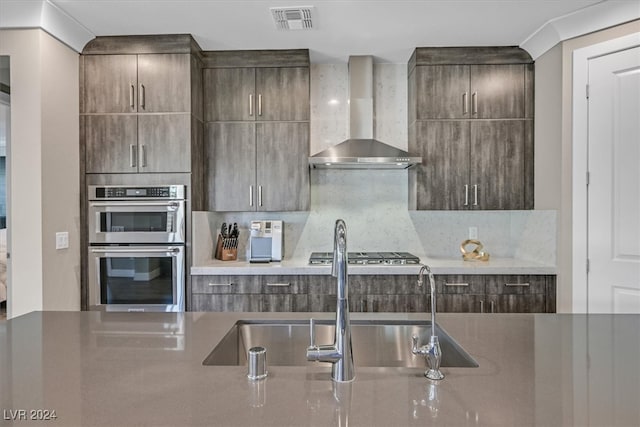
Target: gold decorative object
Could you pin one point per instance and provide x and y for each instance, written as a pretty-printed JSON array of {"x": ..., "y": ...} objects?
[{"x": 474, "y": 255}]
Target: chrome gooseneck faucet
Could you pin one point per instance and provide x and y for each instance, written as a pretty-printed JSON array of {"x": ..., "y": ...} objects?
[
  {"x": 339, "y": 353},
  {"x": 431, "y": 350}
]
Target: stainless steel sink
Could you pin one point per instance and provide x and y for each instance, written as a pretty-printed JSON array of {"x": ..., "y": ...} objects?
[{"x": 375, "y": 343}]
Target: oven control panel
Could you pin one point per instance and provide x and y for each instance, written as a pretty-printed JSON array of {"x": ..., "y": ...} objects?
[{"x": 136, "y": 192}]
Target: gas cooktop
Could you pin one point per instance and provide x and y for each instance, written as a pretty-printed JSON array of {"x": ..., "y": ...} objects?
[{"x": 383, "y": 258}]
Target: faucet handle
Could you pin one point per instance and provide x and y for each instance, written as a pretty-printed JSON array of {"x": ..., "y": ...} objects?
[
  {"x": 414, "y": 346},
  {"x": 312, "y": 332}
]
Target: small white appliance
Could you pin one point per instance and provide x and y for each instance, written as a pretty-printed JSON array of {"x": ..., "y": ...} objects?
[{"x": 266, "y": 241}]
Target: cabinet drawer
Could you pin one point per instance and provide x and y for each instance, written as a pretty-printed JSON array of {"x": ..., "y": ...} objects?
[
  {"x": 515, "y": 285},
  {"x": 285, "y": 284},
  {"x": 460, "y": 284},
  {"x": 226, "y": 284},
  {"x": 384, "y": 285},
  {"x": 322, "y": 285}
]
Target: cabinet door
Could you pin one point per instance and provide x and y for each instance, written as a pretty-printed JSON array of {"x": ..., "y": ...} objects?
[
  {"x": 282, "y": 93},
  {"x": 322, "y": 293},
  {"x": 228, "y": 302},
  {"x": 516, "y": 303},
  {"x": 460, "y": 303},
  {"x": 442, "y": 179},
  {"x": 282, "y": 155},
  {"x": 290, "y": 303},
  {"x": 460, "y": 293},
  {"x": 231, "y": 161},
  {"x": 111, "y": 143},
  {"x": 516, "y": 294},
  {"x": 229, "y": 94},
  {"x": 164, "y": 143},
  {"x": 110, "y": 83},
  {"x": 442, "y": 92},
  {"x": 498, "y": 91},
  {"x": 232, "y": 284},
  {"x": 497, "y": 164},
  {"x": 164, "y": 83}
]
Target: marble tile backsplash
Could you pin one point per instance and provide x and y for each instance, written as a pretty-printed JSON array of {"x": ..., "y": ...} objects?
[
  {"x": 374, "y": 203},
  {"x": 374, "y": 206}
]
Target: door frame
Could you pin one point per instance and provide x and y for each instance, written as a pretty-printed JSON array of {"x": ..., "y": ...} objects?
[{"x": 580, "y": 131}]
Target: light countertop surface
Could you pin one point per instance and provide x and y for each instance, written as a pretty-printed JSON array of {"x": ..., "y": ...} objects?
[
  {"x": 437, "y": 265},
  {"x": 145, "y": 369}
]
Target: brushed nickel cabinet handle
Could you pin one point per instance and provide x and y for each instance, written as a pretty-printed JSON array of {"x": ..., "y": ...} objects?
[
  {"x": 474, "y": 103},
  {"x": 475, "y": 195},
  {"x": 516, "y": 284},
  {"x": 465, "y": 103},
  {"x": 481, "y": 306},
  {"x": 143, "y": 156},
  {"x": 279, "y": 285},
  {"x": 132, "y": 156},
  {"x": 466, "y": 195},
  {"x": 260, "y": 104},
  {"x": 141, "y": 95},
  {"x": 251, "y": 195},
  {"x": 251, "y": 104},
  {"x": 220, "y": 284},
  {"x": 456, "y": 284},
  {"x": 132, "y": 102},
  {"x": 259, "y": 195}
]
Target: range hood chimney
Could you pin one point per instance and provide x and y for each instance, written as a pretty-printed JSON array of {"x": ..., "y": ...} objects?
[{"x": 361, "y": 151}]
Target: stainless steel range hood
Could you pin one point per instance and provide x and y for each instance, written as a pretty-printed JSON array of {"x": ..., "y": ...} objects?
[{"x": 361, "y": 151}]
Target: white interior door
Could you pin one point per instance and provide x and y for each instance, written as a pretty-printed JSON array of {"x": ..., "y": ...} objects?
[{"x": 614, "y": 183}]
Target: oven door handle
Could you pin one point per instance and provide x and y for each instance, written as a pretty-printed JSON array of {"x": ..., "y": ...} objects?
[
  {"x": 174, "y": 251},
  {"x": 173, "y": 205}
]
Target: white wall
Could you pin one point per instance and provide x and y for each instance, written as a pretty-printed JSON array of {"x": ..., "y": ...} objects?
[
  {"x": 60, "y": 174},
  {"x": 42, "y": 173},
  {"x": 553, "y": 180}
]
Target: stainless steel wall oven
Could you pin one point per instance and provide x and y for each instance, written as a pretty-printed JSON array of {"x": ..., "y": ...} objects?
[{"x": 136, "y": 252}]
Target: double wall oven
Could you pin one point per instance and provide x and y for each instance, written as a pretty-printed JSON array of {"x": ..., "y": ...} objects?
[{"x": 136, "y": 247}]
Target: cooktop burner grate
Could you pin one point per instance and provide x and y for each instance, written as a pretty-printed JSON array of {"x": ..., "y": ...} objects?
[{"x": 367, "y": 258}]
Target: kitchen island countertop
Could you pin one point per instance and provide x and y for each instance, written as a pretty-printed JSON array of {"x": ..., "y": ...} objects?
[{"x": 145, "y": 369}]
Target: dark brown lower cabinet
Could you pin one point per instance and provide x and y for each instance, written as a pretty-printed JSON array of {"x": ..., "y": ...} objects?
[
  {"x": 496, "y": 294},
  {"x": 370, "y": 293}
]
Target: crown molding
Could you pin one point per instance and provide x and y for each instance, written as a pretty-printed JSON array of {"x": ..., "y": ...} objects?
[
  {"x": 46, "y": 16},
  {"x": 584, "y": 21}
]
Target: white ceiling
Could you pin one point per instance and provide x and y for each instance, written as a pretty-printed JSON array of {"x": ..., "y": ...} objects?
[{"x": 388, "y": 30}]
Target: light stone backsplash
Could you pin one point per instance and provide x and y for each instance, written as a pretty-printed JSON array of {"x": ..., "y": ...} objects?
[{"x": 374, "y": 203}]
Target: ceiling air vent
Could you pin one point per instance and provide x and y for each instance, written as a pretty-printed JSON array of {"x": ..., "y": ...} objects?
[{"x": 292, "y": 18}]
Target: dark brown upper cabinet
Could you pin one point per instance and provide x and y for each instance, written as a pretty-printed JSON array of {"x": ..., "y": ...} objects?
[
  {"x": 262, "y": 94},
  {"x": 471, "y": 119},
  {"x": 256, "y": 107},
  {"x": 141, "y": 100},
  {"x": 151, "y": 83}
]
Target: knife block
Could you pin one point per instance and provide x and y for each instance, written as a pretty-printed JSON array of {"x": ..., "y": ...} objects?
[{"x": 226, "y": 248}]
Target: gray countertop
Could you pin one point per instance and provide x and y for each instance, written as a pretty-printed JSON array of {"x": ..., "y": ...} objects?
[
  {"x": 438, "y": 266},
  {"x": 107, "y": 369}
]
